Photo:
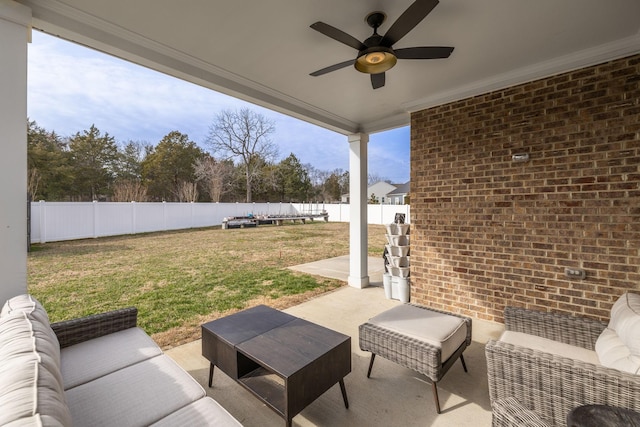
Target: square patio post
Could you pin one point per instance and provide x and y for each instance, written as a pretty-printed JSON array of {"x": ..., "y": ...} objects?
[
  {"x": 358, "y": 239},
  {"x": 15, "y": 22}
]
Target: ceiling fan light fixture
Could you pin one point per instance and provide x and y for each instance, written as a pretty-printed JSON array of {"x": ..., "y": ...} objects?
[
  {"x": 375, "y": 57},
  {"x": 376, "y": 54},
  {"x": 375, "y": 60}
]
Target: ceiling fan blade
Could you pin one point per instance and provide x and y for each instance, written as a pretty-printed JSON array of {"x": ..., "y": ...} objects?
[
  {"x": 407, "y": 21},
  {"x": 332, "y": 68},
  {"x": 377, "y": 80},
  {"x": 425, "y": 52},
  {"x": 338, "y": 35}
]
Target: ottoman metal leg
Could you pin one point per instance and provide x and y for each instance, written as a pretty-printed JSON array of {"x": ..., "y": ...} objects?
[
  {"x": 434, "y": 387},
  {"x": 373, "y": 357},
  {"x": 464, "y": 365}
]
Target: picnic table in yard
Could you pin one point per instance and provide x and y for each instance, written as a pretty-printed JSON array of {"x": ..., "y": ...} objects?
[{"x": 278, "y": 219}]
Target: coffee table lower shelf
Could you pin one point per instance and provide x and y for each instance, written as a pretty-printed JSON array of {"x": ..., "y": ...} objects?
[{"x": 266, "y": 386}]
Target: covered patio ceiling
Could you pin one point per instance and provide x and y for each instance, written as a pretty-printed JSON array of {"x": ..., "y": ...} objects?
[{"x": 263, "y": 51}]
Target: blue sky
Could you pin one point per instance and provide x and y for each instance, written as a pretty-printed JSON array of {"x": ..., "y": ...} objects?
[{"x": 71, "y": 87}]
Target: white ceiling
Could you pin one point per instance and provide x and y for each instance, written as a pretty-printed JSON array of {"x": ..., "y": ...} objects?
[{"x": 263, "y": 51}]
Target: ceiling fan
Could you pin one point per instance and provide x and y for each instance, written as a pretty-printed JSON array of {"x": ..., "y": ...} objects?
[{"x": 376, "y": 54}]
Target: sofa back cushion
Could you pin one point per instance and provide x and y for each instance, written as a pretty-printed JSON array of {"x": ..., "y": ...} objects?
[
  {"x": 30, "y": 381},
  {"x": 619, "y": 344},
  {"x": 35, "y": 312}
]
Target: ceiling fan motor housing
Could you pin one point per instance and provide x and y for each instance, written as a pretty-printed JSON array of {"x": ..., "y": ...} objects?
[{"x": 375, "y": 60}]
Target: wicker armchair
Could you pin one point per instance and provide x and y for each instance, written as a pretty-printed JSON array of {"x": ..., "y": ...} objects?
[{"x": 534, "y": 383}]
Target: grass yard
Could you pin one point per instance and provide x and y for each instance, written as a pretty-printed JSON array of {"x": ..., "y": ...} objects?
[{"x": 180, "y": 279}]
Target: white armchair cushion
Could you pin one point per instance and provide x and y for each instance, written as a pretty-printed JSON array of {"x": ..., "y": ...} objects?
[
  {"x": 613, "y": 353},
  {"x": 618, "y": 346},
  {"x": 546, "y": 345},
  {"x": 625, "y": 320}
]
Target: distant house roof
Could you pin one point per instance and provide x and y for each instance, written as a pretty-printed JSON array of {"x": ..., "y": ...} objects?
[{"x": 400, "y": 189}]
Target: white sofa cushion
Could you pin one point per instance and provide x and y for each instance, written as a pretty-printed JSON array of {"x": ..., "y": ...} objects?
[
  {"x": 40, "y": 320},
  {"x": 205, "y": 411},
  {"x": 24, "y": 302},
  {"x": 546, "y": 345},
  {"x": 98, "y": 357},
  {"x": 138, "y": 395},
  {"x": 30, "y": 380},
  {"x": 441, "y": 330},
  {"x": 618, "y": 346},
  {"x": 35, "y": 421}
]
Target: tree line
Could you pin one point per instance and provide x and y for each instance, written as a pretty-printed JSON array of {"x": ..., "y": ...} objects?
[{"x": 239, "y": 166}]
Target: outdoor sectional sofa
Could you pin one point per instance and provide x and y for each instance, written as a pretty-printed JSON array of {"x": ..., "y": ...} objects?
[
  {"x": 92, "y": 371},
  {"x": 547, "y": 364}
]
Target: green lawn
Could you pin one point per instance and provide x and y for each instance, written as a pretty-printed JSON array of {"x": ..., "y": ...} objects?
[{"x": 178, "y": 280}]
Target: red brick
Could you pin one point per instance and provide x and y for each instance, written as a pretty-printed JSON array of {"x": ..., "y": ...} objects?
[{"x": 488, "y": 232}]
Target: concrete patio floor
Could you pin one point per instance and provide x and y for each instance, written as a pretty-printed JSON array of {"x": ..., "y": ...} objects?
[{"x": 393, "y": 396}]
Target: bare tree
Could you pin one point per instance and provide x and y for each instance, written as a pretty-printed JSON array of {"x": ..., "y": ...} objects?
[
  {"x": 129, "y": 190},
  {"x": 374, "y": 177},
  {"x": 215, "y": 176},
  {"x": 243, "y": 135},
  {"x": 187, "y": 191},
  {"x": 33, "y": 182}
]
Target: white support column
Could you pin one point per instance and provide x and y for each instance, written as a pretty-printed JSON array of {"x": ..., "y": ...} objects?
[
  {"x": 358, "y": 239},
  {"x": 15, "y": 21}
]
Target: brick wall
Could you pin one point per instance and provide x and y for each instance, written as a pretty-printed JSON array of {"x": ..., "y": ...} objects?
[{"x": 489, "y": 232}]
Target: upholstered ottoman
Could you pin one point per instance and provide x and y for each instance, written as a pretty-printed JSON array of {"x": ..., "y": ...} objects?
[{"x": 426, "y": 340}]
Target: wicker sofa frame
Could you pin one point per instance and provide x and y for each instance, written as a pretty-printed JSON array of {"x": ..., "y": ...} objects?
[
  {"x": 525, "y": 383},
  {"x": 412, "y": 353},
  {"x": 75, "y": 331}
]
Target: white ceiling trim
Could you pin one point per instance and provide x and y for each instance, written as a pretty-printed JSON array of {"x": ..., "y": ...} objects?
[
  {"x": 69, "y": 23},
  {"x": 342, "y": 107},
  {"x": 16, "y": 13},
  {"x": 389, "y": 122},
  {"x": 574, "y": 61}
]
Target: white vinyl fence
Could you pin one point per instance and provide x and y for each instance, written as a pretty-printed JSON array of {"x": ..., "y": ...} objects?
[{"x": 55, "y": 221}]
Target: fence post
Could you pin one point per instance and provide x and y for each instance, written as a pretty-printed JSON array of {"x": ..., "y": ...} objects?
[
  {"x": 164, "y": 215},
  {"x": 133, "y": 217},
  {"x": 43, "y": 222},
  {"x": 95, "y": 219}
]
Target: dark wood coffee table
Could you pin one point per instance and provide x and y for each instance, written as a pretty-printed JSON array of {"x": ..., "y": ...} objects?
[{"x": 286, "y": 362}]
